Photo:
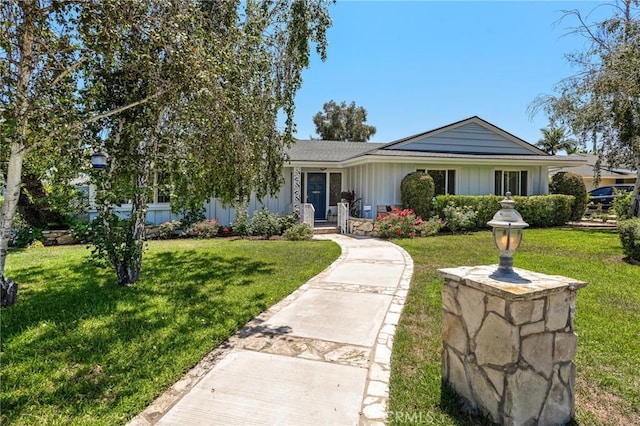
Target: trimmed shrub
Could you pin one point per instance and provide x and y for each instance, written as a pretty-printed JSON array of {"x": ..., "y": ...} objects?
[
  {"x": 265, "y": 224},
  {"x": 25, "y": 236},
  {"x": 538, "y": 210},
  {"x": 242, "y": 225},
  {"x": 81, "y": 231},
  {"x": 204, "y": 229},
  {"x": 629, "y": 231},
  {"x": 621, "y": 204},
  {"x": 166, "y": 230},
  {"x": 485, "y": 206},
  {"x": 459, "y": 218},
  {"x": 288, "y": 221},
  {"x": 543, "y": 211},
  {"x": 569, "y": 183},
  {"x": 298, "y": 232},
  {"x": 416, "y": 193},
  {"x": 405, "y": 224}
]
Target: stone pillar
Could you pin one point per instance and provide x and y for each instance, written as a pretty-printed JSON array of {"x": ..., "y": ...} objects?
[{"x": 509, "y": 345}]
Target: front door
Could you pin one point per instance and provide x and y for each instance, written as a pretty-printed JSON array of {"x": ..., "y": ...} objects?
[{"x": 317, "y": 193}]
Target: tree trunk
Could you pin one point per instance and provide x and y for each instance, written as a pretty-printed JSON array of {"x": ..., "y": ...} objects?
[
  {"x": 634, "y": 207},
  {"x": 8, "y": 292},
  {"x": 18, "y": 147},
  {"x": 10, "y": 203}
]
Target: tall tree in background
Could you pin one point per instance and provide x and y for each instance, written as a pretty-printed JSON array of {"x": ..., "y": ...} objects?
[
  {"x": 554, "y": 140},
  {"x": 342, "y": 122},
  {"x": 601, "y": 104}
]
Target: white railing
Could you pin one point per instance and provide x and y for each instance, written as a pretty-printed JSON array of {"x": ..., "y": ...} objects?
[
  {"x": 308, "y": 213},
  {"x": 343, "y": 217}
]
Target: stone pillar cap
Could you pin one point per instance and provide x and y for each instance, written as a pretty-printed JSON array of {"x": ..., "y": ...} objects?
[{"x": 522, "y": 285}]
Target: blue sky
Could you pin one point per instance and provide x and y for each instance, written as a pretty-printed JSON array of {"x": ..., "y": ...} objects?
[{"x": 419, "y": 65}]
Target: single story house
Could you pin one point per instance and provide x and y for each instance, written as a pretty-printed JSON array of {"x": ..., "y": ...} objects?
[
  {"x": 471, "y": 156},
  {"x": 608, "y": 175}
]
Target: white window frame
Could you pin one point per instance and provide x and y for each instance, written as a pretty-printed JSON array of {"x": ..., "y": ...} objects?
[
  {"x": 511, "y": 170},
  {"x": 446, "y": 179}
]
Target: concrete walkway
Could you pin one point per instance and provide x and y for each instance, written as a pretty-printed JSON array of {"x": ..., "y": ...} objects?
[{"x": 319, "y": 357}]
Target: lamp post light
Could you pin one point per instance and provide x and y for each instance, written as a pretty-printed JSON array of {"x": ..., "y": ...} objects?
[
  {"x": 507, "y": 227},
  {"x": 98, "y": 160}
]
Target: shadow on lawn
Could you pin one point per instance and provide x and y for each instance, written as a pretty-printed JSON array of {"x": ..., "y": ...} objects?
[{"x": 80, "y": 343}]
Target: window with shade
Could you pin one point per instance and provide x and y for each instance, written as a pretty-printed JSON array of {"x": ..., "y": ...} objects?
[{"x": 514, "y": 181}]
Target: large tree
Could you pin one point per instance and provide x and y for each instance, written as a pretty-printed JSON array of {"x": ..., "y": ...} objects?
[
  {"x": 342, "y": 122},
  {"x": 222, "y": 72},
  {"x": 189, "y": 87},
  {"x": 601, "y": 104}
]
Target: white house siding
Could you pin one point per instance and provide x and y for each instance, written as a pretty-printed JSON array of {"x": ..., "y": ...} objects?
[
  {"x": 156, "y": 213},
  {"x": 379, "y": 184},
  {"x": 279, "y": 204},
  {"x": 214, "y": 209},
  {"x": 468, "y": 138}
]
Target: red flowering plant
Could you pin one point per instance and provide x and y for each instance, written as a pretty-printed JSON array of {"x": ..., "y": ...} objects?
[
  {"x": 405, "y": 224},
  {"x": 204, "y": 229}
]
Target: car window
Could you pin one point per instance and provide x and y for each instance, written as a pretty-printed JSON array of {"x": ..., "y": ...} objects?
[{"x": 605, "y": 190}]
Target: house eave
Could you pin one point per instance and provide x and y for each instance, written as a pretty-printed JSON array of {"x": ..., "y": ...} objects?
[
  {"x": 467, "y": 159},
  {"x": 316, "y": 164}
]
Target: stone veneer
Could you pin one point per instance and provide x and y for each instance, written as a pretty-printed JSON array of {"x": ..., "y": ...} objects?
[
  {"x": 509, "y": 344},
  {"x": 360, "y": 226}
]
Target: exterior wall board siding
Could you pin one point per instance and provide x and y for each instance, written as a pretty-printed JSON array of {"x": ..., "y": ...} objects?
[{"x": 469, "y": 138}]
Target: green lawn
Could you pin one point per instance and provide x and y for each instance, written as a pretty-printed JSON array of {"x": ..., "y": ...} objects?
[
  {"x": 607, "y": 322},
  {"x": 78, "y": 349}
]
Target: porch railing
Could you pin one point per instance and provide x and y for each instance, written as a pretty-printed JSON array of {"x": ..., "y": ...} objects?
[
  {"x": 308, "y": 213},
  {"x": 343, "y": 217}
]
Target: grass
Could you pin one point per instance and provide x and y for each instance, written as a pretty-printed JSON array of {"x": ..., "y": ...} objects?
[
  {"x": 78, "y": 349},
  {"x": 607, "y": 322}
]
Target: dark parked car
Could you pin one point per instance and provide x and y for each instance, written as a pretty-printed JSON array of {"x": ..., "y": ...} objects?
[{"x": 604, "y": 195}]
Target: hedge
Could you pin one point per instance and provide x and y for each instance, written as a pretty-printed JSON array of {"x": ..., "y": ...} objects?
[
  {"x": 538, "y": 211},
  {"x": 629, "y": 231},
  {"x": 569, "y": 183}
]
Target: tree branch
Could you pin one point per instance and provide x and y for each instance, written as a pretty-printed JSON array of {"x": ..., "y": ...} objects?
[
  {"x": 68, "y": 71},
  {"x": 124, "y": 108}
]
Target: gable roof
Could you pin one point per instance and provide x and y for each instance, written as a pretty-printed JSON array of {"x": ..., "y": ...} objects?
[
  {"x": 472, "y": 140},
  {"x": 472, "y": 135}
]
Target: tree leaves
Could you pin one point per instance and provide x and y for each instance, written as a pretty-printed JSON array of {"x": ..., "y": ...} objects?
[
  {"x": 601, "y": 104},
  {"x": 342, "y": 122}
]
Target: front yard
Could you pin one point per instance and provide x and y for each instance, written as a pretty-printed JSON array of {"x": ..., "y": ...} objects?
[
  {"x": 77, "y": 349},
  {"x": 607, "y": 323}
]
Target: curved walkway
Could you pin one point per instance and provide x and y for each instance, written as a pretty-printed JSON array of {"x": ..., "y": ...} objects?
[{"x": 319, "y": 357}]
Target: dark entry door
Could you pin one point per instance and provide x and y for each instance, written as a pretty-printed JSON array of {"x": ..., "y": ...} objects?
[{"x": 317, "y": 193}]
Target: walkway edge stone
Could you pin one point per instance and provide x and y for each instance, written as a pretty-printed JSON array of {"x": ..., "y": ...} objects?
[{"x": 375, "y": 404}]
